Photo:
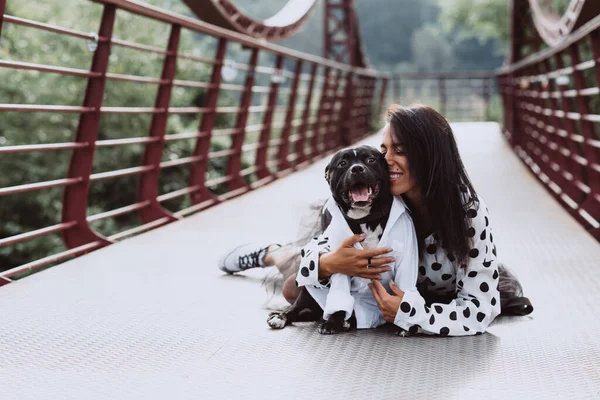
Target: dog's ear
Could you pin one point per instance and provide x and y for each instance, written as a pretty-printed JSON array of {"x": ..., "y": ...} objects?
[{"x": 327, "y": 173}]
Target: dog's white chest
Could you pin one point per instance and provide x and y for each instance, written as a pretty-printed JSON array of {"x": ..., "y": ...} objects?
[{"x": 372, "y": 236}]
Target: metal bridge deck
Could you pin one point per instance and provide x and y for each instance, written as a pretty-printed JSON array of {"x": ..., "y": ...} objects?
[{"x": 152, "y": 318}]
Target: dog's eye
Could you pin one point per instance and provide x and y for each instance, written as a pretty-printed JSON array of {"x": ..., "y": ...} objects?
[
  {"x": 342, "y": 163},
  {"x": 371, "y": 160}
]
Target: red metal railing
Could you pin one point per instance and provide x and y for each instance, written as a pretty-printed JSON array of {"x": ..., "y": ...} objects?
[
  {"x": 552, "y": 115},
  {"x": 320, "y": 106}
]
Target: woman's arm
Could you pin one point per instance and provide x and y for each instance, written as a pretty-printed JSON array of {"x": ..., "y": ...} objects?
[
  {"x": 318, "y": 262},
  {"x": 477, "y": 300}
]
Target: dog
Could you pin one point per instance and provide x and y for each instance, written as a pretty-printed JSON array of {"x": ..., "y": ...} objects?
[{"x": 359, "y": 183}]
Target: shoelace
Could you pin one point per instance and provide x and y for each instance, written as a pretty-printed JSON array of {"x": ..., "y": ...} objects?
[{"x": 250, "y": 260}]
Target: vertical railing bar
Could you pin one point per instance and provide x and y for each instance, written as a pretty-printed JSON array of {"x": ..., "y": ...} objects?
[
  {"x": 335, "y": 131},
  {"x": 487, "y": 82},
  {"x": 442, "y": 93},
  {"x": 262, "y": 170},
  {"x": 202, "y": 148},
  {"x": 2, "y": 11},
  {"x": 382, "y": 96},
  {"x": 397, "y": 90},
  {"x": 234, "y": 161},
  {"x": 575, "y": 169},
  {"x": 75, "y": 197},
  {"x": 306, "y": 115},
  {"x": 320, "y": 114},
  {"x": 149, "y": 182},
  {"x": 284, "y": 145}
]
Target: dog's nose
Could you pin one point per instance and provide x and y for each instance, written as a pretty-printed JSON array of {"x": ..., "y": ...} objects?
[{"x": 357, "y": 169}]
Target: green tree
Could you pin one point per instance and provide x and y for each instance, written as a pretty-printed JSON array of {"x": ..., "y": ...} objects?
[{"x": 483, "y": 20}]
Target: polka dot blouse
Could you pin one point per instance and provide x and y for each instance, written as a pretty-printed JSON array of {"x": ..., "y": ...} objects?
[{"x": 449, "y": 299}]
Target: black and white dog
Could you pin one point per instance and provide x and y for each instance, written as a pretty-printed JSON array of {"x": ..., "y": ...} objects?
[{"x": 359, "y": 183}]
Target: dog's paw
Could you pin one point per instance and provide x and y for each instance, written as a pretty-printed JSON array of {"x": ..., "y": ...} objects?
[
  {"x": 334, "y": 325},
  {"x": 402, "y": 332},
  {"x": 277, "y": 320}
]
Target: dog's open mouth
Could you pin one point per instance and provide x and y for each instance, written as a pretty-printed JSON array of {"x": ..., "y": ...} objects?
[{"x": 361, "y": 195}]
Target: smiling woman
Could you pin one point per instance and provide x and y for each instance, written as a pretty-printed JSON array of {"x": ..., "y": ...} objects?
[{"x": 461, "y": 288}]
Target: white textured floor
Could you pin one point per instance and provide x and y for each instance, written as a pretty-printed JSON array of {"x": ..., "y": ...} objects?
[{"x": 152, "y": 318}]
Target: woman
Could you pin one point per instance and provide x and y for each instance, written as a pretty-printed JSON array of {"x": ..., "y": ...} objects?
[{"x": 460, "y": 283}]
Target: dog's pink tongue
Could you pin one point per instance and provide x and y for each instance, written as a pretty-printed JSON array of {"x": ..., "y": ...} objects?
[{"x": 360, "y": 193}]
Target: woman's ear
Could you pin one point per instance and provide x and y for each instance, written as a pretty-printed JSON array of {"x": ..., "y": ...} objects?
[{"x": 327, "y": 173}]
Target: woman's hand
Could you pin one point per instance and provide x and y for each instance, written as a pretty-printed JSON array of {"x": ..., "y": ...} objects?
[
  {"x": 387, "y": 303},
  {"x": 353, "y": 262}
]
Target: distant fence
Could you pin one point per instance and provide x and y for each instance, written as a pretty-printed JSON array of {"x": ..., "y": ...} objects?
[
  {"x": 459, "y": 96},
  {"x": 552, "y": 118}
]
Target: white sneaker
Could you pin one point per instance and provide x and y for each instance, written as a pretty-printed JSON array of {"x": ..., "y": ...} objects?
[{"x": 244, "y": 257}]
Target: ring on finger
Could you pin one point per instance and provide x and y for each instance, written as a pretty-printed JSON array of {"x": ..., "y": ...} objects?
[{"x": 369, "y": 263}]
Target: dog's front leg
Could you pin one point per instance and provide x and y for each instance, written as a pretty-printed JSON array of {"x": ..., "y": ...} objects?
[{"x": 305, "y": 308}]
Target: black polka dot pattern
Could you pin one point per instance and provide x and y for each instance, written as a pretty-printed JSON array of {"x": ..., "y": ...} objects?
[
  {"x": 405, "y": 307},
  {"x": 413, "y": 329},
  {"x": 302, "y": 253},
  {"x": 311, "y": 266},
  {"x": 473, "y": 283},
  {"x": 305, "y": 273}
]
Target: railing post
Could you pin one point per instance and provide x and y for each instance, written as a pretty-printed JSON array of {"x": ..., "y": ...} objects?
[
  {"x": 384, "y": 84},
  {"x": 345, "y": 131},
  {"x": 149, "y": 182},
  {"x": 283, "y": 152},
  {"x": 262, "y": 171},
  {"x": 442, "y": 93},
  {"x": 575, "y": 168},
  {"x": 198, "y": 170},
  {"x": 80, "y": 166},
  {"x": 234, "y": 161},
  {"x": 320, "y": 114},
  {"x": 2, "y": 10},
  {"x": 486, "y": 98},
  {"x": 306, "y": 115},
  {"x": 397, "y": 90}
]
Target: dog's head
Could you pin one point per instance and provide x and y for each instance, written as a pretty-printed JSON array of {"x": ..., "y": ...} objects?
[{"x": 358, "y": 179}]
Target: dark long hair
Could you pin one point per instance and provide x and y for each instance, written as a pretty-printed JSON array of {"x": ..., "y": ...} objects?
[{"x": 439, "y": 173}]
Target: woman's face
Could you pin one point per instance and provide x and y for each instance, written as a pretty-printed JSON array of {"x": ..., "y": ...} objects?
[{"x": 401, "y": 181}]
